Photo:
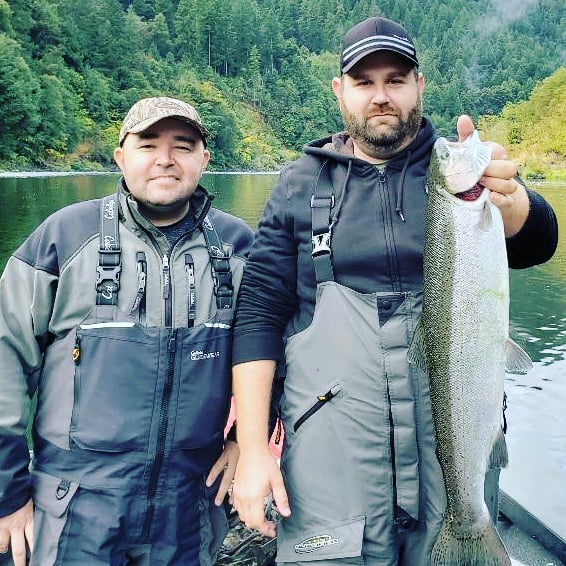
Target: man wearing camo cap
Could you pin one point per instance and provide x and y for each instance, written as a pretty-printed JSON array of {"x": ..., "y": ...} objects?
[{"x": 118, "y": 312}]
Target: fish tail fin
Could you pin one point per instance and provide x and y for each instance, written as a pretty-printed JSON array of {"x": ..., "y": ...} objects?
[
  {"x": 499, "y": 457},
  {"x": 484, "y": 549},
  {"x": 516, "y": 359}
]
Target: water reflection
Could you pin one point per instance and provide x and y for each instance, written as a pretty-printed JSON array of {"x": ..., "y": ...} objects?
[
  {"x": 538, "y": 301},
  {"x": 26, "y": 202}
]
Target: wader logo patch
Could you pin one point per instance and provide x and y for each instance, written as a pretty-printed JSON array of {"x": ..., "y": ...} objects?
[
  {"x": 200, "y": 355},
  {"x": 315, "y": 543}
]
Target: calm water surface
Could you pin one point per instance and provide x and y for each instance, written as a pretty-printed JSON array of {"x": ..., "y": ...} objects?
[{"x": 536, "y": 402}]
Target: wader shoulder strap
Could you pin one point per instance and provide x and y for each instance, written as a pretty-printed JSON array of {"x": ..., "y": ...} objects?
[
  {"x": 109, "y": 252},
  {"x": 322, "y": 201},
  {"x": 220, "y": 266}
]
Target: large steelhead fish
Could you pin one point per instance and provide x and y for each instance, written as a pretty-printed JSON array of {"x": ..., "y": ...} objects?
[{"x": 463, "y": 343}]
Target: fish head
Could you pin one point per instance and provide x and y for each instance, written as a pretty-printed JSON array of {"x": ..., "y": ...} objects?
[{"x": 458, "y": 166}]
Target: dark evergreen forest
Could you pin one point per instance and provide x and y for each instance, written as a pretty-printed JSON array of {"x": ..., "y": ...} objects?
[{"x": 259, "y": 71}]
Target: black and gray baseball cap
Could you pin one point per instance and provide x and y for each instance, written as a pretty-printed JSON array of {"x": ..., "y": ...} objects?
[{"x": 376, "y": 34}]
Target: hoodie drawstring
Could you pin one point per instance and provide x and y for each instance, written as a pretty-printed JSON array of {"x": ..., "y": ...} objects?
[
  {"x": 342, "y": 194},
  {"x": 400, "y": 188}
]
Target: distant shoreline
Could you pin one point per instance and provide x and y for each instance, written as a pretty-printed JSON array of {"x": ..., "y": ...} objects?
[
  {"x": 30, "y": 174},
  {"x": 22, "y": 174}
]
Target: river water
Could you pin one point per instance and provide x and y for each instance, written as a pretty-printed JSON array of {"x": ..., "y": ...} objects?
[{"x": 536, "y": 412}]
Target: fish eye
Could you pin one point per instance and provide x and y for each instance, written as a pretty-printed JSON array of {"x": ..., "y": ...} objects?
[{"x": 443, "y": 152}]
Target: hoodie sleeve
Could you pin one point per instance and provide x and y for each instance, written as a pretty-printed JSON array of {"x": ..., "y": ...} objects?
[{"x": 537, "y": 240}]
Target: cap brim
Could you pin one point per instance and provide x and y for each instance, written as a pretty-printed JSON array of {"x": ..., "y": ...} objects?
[
  {"x": 362, "y": 54},
  {"x": 145, "y": 124}
]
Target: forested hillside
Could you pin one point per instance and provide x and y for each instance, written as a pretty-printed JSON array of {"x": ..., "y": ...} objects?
[
  {"x": 534, "y": 131},
  {"x": 258, "y": 70}
]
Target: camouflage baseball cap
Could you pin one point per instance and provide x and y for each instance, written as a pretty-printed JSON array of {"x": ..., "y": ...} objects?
[{"x": 148, "y": 111}]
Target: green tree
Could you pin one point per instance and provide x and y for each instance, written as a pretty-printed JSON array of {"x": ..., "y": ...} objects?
[
  {"x": 19, "y": 97},
  {"x": 6, "y": 18}
]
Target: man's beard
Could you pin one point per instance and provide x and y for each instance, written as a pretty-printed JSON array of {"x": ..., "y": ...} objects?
[{"x": 383, "y": 145}]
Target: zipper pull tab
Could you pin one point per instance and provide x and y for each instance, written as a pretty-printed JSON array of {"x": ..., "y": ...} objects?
[
  {"x": 77, "y": 351},
  {"x": 192, "y": 297},
  {"x": 140, "y": 295},
  {"x": 330, "y": 394},
  {"x": 166, "y": 277}
]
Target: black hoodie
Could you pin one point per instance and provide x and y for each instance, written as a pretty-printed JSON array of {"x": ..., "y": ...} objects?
[{"x": 377, "y": 237}]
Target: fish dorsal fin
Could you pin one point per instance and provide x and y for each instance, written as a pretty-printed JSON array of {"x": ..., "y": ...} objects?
[{"x": 516, "y": 359}]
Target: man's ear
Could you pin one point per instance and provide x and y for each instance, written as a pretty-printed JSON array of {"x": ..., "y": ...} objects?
[
  {"x": 119, "y": 156},
  {"x": 337, "y": 89}
]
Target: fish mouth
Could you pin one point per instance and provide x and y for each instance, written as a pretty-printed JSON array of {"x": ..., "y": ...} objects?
[{"x": 471, "y": 194}]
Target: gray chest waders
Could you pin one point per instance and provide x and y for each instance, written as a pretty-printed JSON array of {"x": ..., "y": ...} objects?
[
  {"x": 137, "y": 412},
  {"x": 350, "y": 462}
]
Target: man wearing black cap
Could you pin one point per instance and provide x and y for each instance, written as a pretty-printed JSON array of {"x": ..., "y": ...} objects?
[
  {"x": 335, "y": 275},
  {"x": 118, "y": 312}
]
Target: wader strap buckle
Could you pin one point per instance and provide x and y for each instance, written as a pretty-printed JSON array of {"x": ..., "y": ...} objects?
[
  {"x": 109, "y": 253},
  {"x": 320, "y": 244},
  {"x": 220, "y": 266}
]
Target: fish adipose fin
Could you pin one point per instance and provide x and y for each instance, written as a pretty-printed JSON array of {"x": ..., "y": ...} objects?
[
  {"x": 484, "y": 549},
  {"x": 499, "y": 457},
  {"x": 516, "y": 359}
]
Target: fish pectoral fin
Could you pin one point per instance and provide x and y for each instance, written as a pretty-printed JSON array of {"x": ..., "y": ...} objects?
[
  {"x": 516, "y": 359},
  {"x": 499, "y": 457},
  {"x": 486, "y": 218},
  {"x": 417, "y": 351}
]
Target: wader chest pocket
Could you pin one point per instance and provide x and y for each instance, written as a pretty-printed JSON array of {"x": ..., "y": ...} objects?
[
  {"x": 320, "y": 402},
  {"x": 116, "y": 382},
  {"x": 205, "y": 386}
]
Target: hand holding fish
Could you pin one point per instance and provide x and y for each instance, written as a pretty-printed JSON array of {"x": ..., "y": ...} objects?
[{"x": 500, "y": 176}]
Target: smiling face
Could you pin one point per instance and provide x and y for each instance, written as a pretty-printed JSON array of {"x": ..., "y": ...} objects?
[
  {"x": 162, "y": 167},
  {"x": 380, "y": 100}
]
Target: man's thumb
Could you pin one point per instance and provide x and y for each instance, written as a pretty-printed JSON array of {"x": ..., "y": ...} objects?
[{"x": 464, "y": 127}]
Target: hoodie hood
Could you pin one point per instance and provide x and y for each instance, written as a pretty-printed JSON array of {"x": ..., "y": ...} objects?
[{"x": 340, "y": 148}]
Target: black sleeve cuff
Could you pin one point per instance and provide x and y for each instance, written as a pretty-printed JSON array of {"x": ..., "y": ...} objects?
[
  {"x": 536, "y": 242},
  {"x": 15, "y": 480}
]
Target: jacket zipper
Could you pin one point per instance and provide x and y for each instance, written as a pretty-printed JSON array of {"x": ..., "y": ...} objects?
[
  {"x": 320, "y": 402},
  {"x": 388, "y": 228},
  {"x": 161, "y": 434}
]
